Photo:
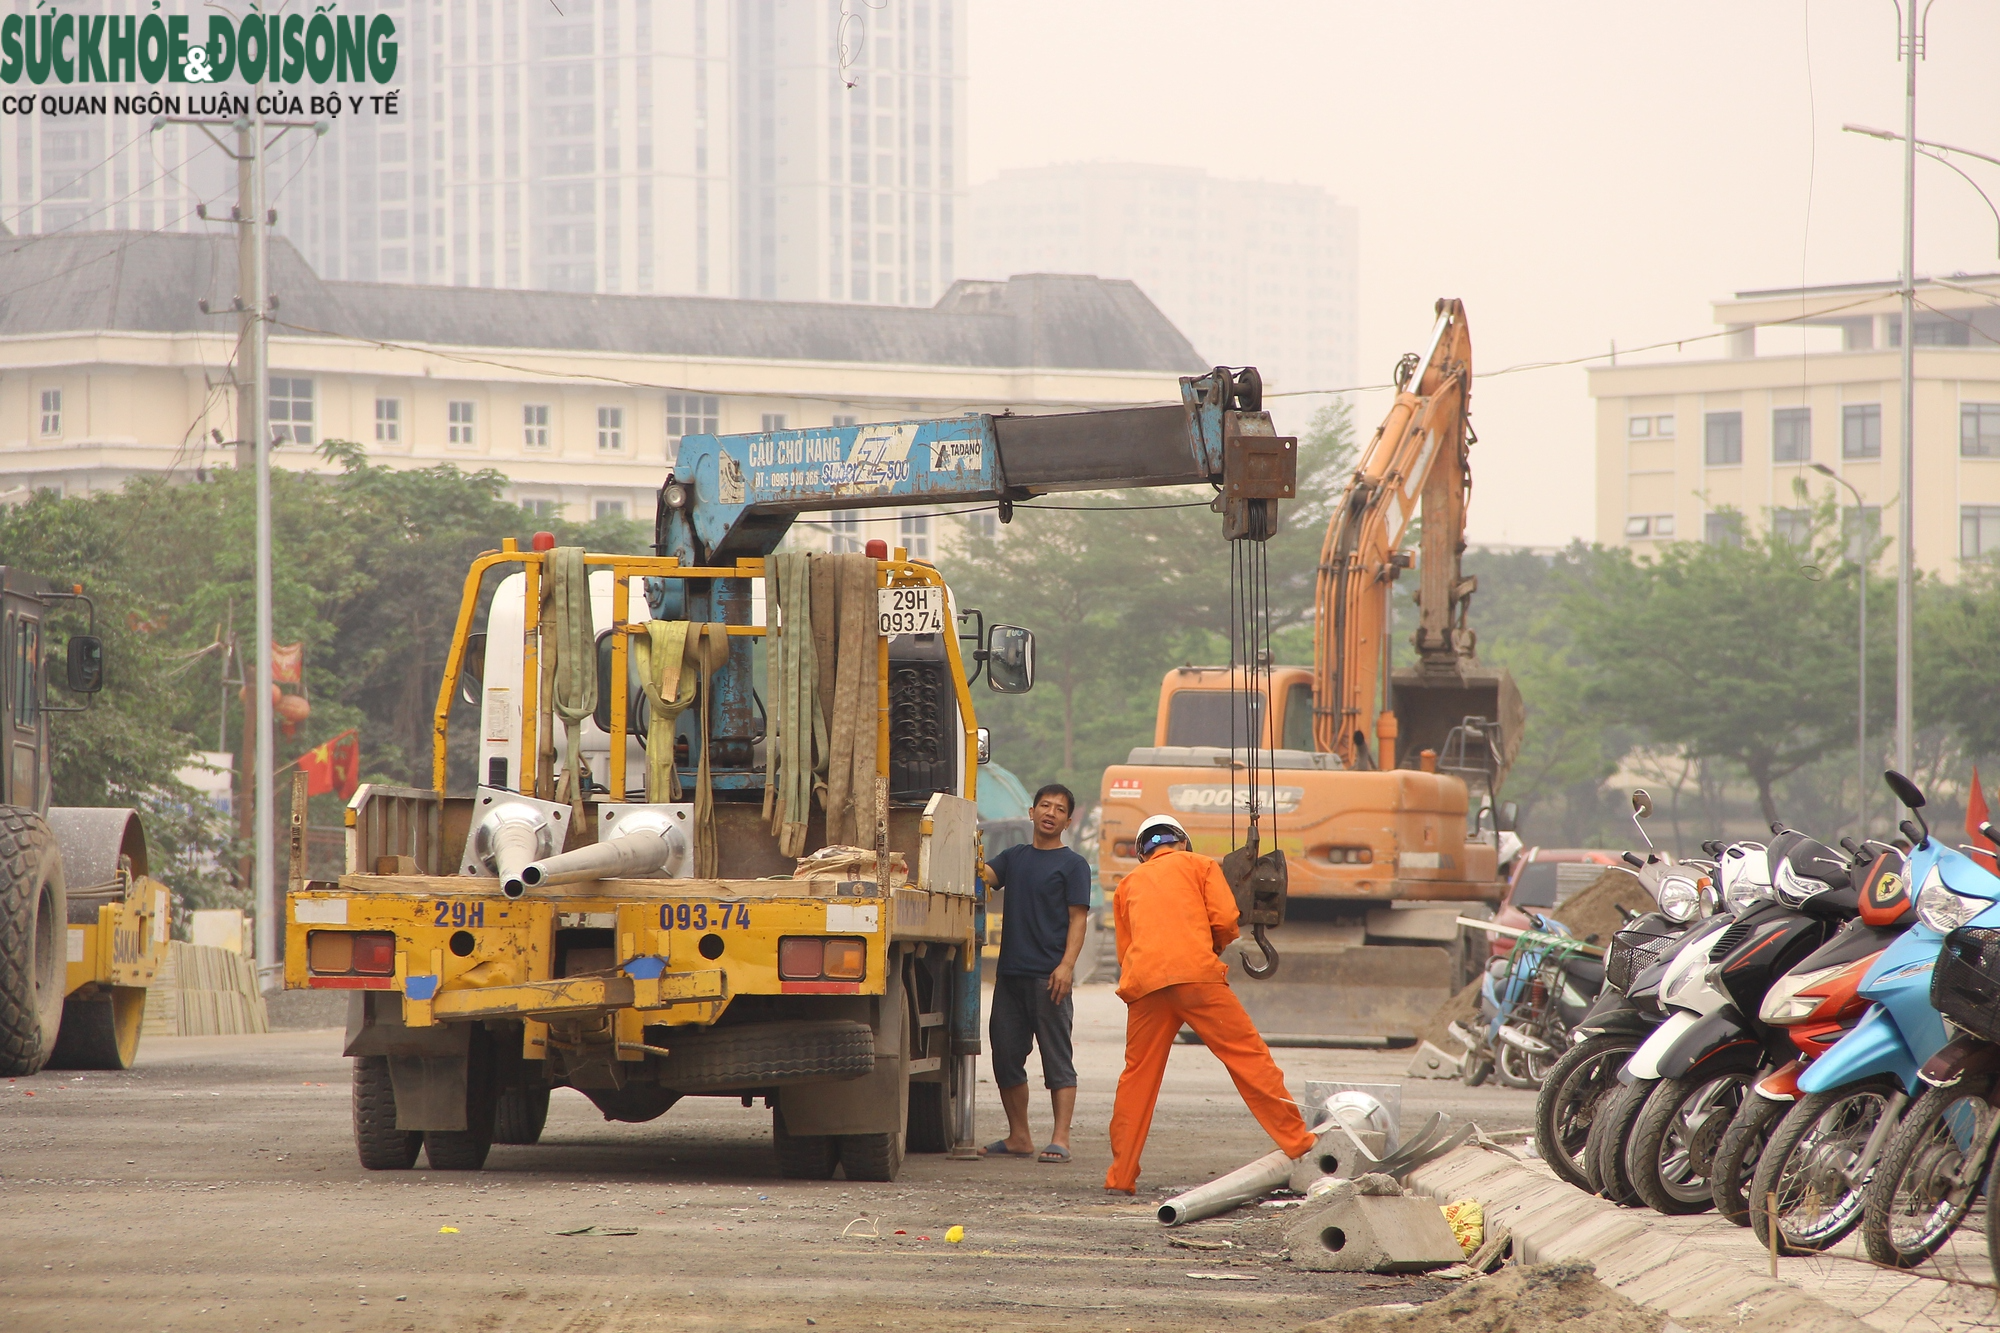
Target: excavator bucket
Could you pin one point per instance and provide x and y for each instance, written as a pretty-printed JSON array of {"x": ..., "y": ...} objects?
[{"x": 1472, "y": 717}]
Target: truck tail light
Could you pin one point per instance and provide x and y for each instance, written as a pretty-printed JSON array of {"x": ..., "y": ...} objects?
[
  {"x": 846, "y": 960},
  {"x": 800, "y": 957},
  {"x": 351, "y": 953},
  {"x": 815, "y": 958}
]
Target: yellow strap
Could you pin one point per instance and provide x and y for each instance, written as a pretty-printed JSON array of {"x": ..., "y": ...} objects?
[{"x": 662, "y": 657}]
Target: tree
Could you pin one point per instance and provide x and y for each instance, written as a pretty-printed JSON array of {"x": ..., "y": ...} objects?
[{"x": 1744, "y": 653}]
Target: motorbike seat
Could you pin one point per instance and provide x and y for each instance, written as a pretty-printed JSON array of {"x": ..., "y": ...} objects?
[{"x": 1587, "y": 971}]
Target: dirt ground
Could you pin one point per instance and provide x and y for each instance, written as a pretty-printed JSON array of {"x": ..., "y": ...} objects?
[{"x": 214, "y": 1187}]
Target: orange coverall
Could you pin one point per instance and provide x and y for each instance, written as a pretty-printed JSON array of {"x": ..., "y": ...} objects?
[{"x": 1175, "y": 914}]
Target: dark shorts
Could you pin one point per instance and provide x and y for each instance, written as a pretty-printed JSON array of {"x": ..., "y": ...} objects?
[{"x": 1023, "y": 1017}]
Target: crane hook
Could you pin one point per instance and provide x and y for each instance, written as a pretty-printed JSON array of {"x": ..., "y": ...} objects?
[{"x": 1270, "y": 964}]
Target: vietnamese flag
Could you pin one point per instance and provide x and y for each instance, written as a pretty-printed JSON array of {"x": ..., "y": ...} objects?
[
  {"x": 334, "y": 766},
  {"x": 1975, "y": 815}
]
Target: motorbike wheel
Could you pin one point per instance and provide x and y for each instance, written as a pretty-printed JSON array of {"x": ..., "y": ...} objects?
[
  {"x": 1478, "y": 1064},
  {"x": 1813, "y": 1164},
  {"x": 1573, "y": 1095},
  {"x": 1514, "y": 1067},
  {"x": 1923, "y": 1187},
  {"x": 1736, "y": 1156},
  {"x": 1608, "y": 1135},
  {"x": 1993, "y": 1214},
  {"x": 1673, "y": 1143}
]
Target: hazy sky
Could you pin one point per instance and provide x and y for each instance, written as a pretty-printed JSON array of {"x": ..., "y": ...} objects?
[{"x": 1577, "y": 173}]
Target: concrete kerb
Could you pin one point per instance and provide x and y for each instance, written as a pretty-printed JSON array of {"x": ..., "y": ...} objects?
[{"x": 1551, "y": 1221}]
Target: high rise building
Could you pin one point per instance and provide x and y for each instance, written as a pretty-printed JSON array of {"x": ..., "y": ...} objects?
[
  {"x": 788, "y": 149},
  {"x": 850, "y": 149},
  {"x": 1253, "y": 272}
]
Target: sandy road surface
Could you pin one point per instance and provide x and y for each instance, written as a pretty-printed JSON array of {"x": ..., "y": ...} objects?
[{"x": 214, "y": 1187}]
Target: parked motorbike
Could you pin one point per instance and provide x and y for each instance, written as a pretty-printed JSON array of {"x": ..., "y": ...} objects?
[
  {"x": 1861, "y": 1039},
  {"x": 1966, "y": 989},
  {"x": 1703, "y": 1058},
  {"x": 1936, "y": 1162},
  {"x": 1583, "y": 1081},
  {"x": 1529, "y": 1001}
]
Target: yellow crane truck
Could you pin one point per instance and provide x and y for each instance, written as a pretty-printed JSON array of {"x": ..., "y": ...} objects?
[
  {"x": 720, "y": 838},
  {"x": 83, "y": 929}
]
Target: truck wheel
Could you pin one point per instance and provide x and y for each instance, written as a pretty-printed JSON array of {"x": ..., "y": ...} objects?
[
  {"x": 520, "y": 1113},
  {"x": 377, "y": 1141},
  {"x": 101, "y": 1031},
  {"x": 934, "y": 1110},
  {"x": 34, "y": 917},
  {"x": 803, "y": 1156},
  {"x": 871, "y": 1156}
]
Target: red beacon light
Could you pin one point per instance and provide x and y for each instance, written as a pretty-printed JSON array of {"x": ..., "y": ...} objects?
[
  {"x": 544, "y": 541},
  {"x": 877, "y": 549}
]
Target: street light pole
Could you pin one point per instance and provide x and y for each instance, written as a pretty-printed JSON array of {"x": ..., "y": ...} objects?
[
  {"x": 1906, "y": 503},
  {"x": 1861, "y": 712}
]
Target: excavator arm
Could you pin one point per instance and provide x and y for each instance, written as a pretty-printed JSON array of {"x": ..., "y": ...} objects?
[{"x": 1418, "y": 462}]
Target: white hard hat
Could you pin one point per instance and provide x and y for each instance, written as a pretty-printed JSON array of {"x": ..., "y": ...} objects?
[{"x": 1155, "y": 825}]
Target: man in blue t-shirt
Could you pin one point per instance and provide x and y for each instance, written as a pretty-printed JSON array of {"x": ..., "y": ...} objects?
[{"x": 1043, "y": 916}]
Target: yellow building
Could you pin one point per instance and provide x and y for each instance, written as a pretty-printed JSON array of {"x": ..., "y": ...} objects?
[
  {"x": 110, "y": 367},
  {"x": 1681, "y": 444}
]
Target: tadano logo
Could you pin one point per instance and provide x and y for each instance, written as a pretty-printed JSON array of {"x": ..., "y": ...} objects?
[{"x": 50, "y": 46}]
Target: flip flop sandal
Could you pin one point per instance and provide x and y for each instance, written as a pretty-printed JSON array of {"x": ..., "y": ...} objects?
[
  {"x": 999, "y": 1148},
  {"x": 1053, "y": 1153}
]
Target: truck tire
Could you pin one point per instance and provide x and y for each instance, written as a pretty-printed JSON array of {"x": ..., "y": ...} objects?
[
  {"x": 101, "y": 1031},
  {"x": 466, "y": 1149},
  {"x": 803, "y": 1156},
  {"x": 934, "y": 1108},
  {"x": 520, "y": 1114},
  {"x": 759, "y": 1055},
  {"x": 377, "y": 1141},
  {"x": 34, "y": 917},
  {"x": 872, "y": 1156}
]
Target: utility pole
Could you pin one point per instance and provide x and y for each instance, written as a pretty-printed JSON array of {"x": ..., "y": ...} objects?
[
  {"x": 253, "y": 448},
  {"x": 1912, "y": 48}
]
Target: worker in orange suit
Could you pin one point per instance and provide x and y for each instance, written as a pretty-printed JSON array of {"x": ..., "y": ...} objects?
[{"x": 1175, "y": 915}]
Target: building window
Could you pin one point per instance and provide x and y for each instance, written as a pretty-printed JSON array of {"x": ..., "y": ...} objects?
[
  {"x": 1861, "y": 430},
  {"x": 1978, "y": 429},
  {"x": 839, "y": 421},
  {"x": 535, "y": 426},
  {"x": 1638, "y": 428},
  {"x": 611, "y": 509},
  {"x": 1722, "y": 439},
  {"x": 52, "y": 411},
  {"x": 1664, "y": 426},
  {"x": 540, "y": 508},
  {"x": 459, "y": 422},
  {"x": 1793, "y": 526},
  {"x": 1639, "y": 525},
  {"x": 291, "y": 410},
  {"x": 1723, "y": 529},
  {"x": 916, "y": 535},
  {"x": 689, "y": 414},
  {"x": 1791, "y": 435},
  {"x": 1978, "y": 529},
  {"x": 388, "y": 421},
  {"x": 1860, "y": 543},
  {"x": 611, "y": 434},
  {"x": 844, "y": 531},
  {"x": 1663, "y": 525},
  {"x": 986, "y": 525},
  {"x": 774, "y": 421}
]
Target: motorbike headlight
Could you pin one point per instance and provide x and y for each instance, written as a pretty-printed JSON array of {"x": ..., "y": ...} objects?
[
  {"x": 1743, "y": 893},
  {"x": 1746, "y": 876},
  {"x": 1679, "y": 899},
  {"x": 1941, "y": 909},
  {"x": 1794, "y": 997}
]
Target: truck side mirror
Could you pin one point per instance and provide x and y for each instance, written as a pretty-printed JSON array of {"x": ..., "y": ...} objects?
[
  {"x": 985, "y": 745},
  {"x": 1010, "y": 659},
  {"x": 472, "y": 668},
  {"x": 1508, "y": 819},
  {"x": 83, "y": 669}
]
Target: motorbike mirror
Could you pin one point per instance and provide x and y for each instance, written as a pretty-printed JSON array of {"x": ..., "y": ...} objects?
[
  {"x": 1642, "y": 806},
  {"x": 1910, "y": 794},
  {"x": 1508, "y": 819}
]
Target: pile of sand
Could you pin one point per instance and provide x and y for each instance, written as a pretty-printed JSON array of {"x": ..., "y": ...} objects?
[{"x": 1545, "y": 1298}]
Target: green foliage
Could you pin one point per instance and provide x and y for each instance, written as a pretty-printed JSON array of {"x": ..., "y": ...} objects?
[{"x": 368, "y": 565}]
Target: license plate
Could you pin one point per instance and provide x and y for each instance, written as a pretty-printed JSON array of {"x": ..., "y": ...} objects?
[{"x": 917, "y": 610}]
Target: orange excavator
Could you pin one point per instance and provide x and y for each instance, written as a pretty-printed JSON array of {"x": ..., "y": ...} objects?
[{"x": 1377, "y": 784}]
